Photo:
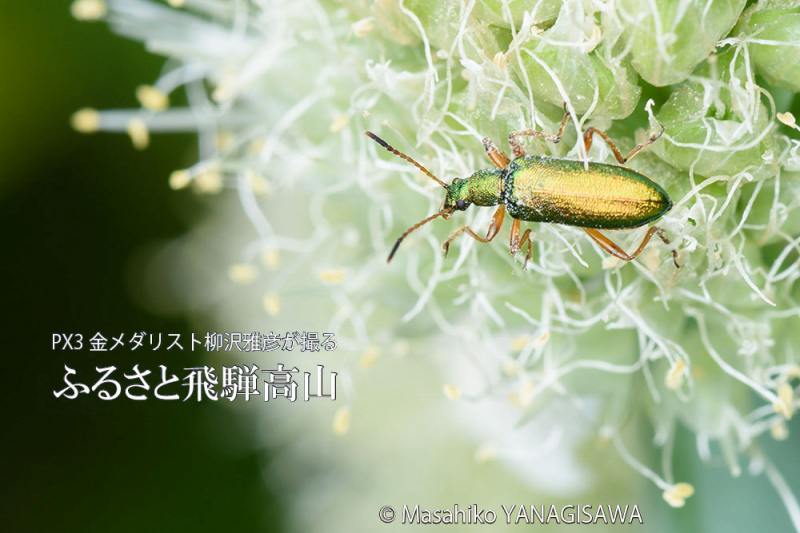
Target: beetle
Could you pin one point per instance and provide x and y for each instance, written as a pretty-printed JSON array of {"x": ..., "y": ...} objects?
[{"x": 534, "y": 188}]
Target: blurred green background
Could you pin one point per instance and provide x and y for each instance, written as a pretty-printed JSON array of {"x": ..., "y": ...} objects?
[{"x": 77, "y": 211}]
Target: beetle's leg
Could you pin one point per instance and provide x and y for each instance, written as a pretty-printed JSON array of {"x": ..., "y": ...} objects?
[
  {"x": 516, "y": 243},
  {"x": 588, "y": 136},
  {"x": 463, "y": 229},
  {"x": 494, "y": 229},
  {"x": 497, "y": 222},
  {"x": 517, "y": 147},
  {"x": 498, "y": 158},
  {"x": 612, "y": 248}
]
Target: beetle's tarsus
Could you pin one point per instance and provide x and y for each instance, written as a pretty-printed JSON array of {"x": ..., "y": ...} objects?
[
  {"x": 527, "y": 257},
  {"x": 552, "y": 137},
  {"x": 498, "y": 158},
  {"x": 666, "y": 240},
  {"x": 656, "y": 135},
  {"x": 675, "y": 259}
]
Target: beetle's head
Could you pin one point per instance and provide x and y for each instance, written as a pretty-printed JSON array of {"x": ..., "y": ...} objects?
[{"x": 457, "y": 198}]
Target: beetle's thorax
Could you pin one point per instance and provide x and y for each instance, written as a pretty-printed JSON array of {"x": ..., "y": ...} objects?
[{"x": 483, "y": 188}]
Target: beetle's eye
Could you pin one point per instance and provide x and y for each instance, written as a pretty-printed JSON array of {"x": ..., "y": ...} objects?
[{"x": 461, "y": 204}]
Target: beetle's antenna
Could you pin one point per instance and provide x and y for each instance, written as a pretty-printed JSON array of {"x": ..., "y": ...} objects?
[
  {"x": 412, "y": 228},
  {"x": 408, "y": 158}
]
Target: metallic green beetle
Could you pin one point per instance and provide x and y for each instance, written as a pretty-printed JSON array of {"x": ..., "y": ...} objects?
[{"x": 561, "y": 191}]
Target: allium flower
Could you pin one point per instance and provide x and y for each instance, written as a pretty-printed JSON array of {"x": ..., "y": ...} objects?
[{"x": 577, "y": 353}]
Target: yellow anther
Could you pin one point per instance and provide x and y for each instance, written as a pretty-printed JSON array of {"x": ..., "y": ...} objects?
[
  {"x": 787, "y": 118},
  {"x": 485, "y": 452},
  {"x": 684, "y": 490},
  {"x": 452, "y": 392},
  {"x": 361, "y": 28},
  {"x": 271, "y": 303},
  {"x": 87, "y": 10},
  {"x": 138, "y": 132},
  {"x": 519, "y": 343},
  {"x": 176, "y": 3},
  {"x": 271, "y": 258},
  {"x": 674, "y": 378},
  {"x": 152, "y": 98},
  {"x": 501, "y": 60},
  {"x": 242, "y": 273},
  {"x": 542, "y": 339},
  {"x": 677, "y": 494},
  {"x": 369, "y": 357},
  {"x": 208, "y": 181},
  {"x": 258, "y": 184},
  {"x": 779, "y": 430},
  {"x": 179, "y": 179},
  {"x": 341, "y": 421},
  {"x": 225, "y": 88},
  {"x": 784, "y": 404},
  {"x": 338, "y": 123},
  {"x": 86, "y": 120},
  {"x": 332, "y": 276}
]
